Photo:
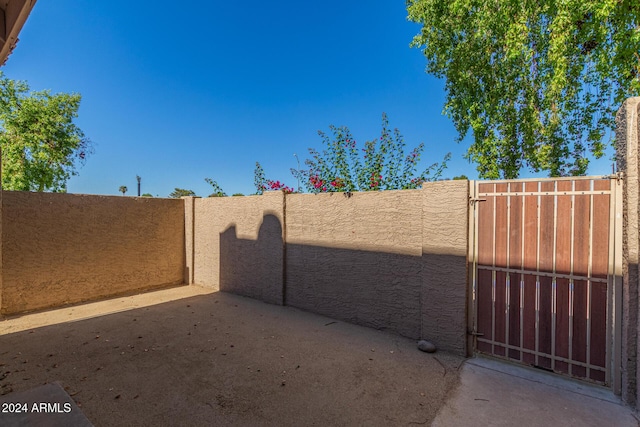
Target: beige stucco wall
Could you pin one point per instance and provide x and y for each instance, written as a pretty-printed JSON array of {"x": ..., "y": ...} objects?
[
  {"x": 393, "y": 260},
  {"x": 65, "y": 248},
  {"x": 238, "y": 245},
  {"x": 628, "y": 162},
  {"x": 357, "y": 258},
  {"x": 445, "y": 243},
  {"x": 189, "y": 229}
]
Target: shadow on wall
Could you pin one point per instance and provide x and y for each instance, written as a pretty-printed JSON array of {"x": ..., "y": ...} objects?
[
  {"x": 413, "y": 296},
  {"x": 253, "y": 268}
]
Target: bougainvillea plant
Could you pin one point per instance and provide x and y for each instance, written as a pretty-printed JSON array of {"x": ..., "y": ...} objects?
[
  {"x": 259, "y": 180},
  {"x": 262, "y": 184},
  {"x": 217, "y": 190},
  {"x": 380, "y": 165}
]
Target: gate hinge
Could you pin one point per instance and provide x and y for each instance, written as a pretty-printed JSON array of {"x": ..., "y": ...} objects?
[
  {"x": 618, "y": 176},
  {"x": 473, "y": 201},
  {"x": 475, "y": 333}
]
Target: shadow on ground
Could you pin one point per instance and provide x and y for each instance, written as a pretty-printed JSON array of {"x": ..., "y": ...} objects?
[{"x": 221, "y": 359}]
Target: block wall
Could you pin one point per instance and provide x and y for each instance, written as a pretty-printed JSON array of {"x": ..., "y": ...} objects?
[{"x": 60, "y": 249}]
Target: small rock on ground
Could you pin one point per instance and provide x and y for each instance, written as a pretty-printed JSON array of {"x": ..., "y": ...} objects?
[{"x": 426, "y": 346}]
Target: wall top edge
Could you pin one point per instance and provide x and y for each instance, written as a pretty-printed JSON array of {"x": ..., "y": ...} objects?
[
  {"x": 84, "y": 195},
  {"x": 560, "y": 178}
]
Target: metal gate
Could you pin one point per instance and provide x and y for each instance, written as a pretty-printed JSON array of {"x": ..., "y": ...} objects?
[{"x": 546, "y": 277}]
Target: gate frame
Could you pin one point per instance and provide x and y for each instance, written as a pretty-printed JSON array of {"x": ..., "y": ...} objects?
[{"x": 614, "y": 272}]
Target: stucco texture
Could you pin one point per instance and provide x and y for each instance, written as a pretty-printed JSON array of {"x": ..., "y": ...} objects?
[
  {"x": 60, "y": 249},
  {"x": 238, "y": 245},
  {"x": 393, "y": 260},
  {"x": 357, "y": 258},
  {"x": 628, "y": 162},
  {"x": 444, "y": 264}
]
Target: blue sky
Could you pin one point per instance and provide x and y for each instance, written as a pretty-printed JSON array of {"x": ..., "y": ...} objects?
[{"x": 177, "y": 93}]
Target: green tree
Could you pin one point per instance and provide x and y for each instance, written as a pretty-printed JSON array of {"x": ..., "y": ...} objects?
[
  {"x": 41, "y": 146},
  {"x": 123, "y": 189},
  {"x": 181, "y": 192},
  {"x": 383, "y": 165},
  {"x": 460, "y": 177},
  {"x": 147, "y": 195},
  {"x": 536, "y": 81}
]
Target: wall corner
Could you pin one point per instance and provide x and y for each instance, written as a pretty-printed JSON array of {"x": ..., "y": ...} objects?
[
  {"x": 189, "y": 238},
  {"x": 628, "y": 160}
]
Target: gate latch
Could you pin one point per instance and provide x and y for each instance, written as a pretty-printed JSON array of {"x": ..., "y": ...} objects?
[
  {"x": 473, "y": 201},
  {"x": 476, "y": 333}
]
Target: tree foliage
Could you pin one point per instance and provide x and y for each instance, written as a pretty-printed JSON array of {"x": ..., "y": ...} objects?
[
  {"x": 41, "y": 146},
  {"x": 536, "y": 81},
  {"x": 382, "y": 165},
  {"x": 181, "y": 192},
  {"x": 123, "y": 189}
]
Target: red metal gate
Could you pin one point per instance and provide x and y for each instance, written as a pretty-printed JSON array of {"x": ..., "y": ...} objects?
[{"x": 544, "y": 277}]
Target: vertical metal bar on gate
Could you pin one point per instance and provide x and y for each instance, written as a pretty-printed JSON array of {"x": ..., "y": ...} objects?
[
  {"x": 614, "y": 280},
  {"x": 554, "y": 299},
  {"x": 507, "y": 283},
  {"x": 537, "y": 301},
  {"x": 610, "y": 292},
  {"x": 493, "y": 277},
  {"x": 589, "y": 282},
  {"x": 522, "y": 227},
  {"x": 473, "y": 259},
  {"x": 571, "y": 281}
]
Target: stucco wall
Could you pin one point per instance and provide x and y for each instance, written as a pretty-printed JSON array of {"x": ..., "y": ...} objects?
[
  {"x": 628, "y": 162},
  {"x": 445, "y": 235},
  {"x": 357, "y": 258},
  {"x": 65, "y": 248},
  {"x": 393, "y": 260},
  {"x": 238, "y": 245}
]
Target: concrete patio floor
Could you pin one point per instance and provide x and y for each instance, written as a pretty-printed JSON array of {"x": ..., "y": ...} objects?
[
  {"x": 497, "y": 393},
  {"x": 189, "y": 356}
]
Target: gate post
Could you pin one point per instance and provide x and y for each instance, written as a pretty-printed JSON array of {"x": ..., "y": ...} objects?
[{"x": 628, "y": 162}]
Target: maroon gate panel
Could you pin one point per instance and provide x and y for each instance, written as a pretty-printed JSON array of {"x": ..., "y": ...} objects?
[{"x": 541, "y": 283}]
